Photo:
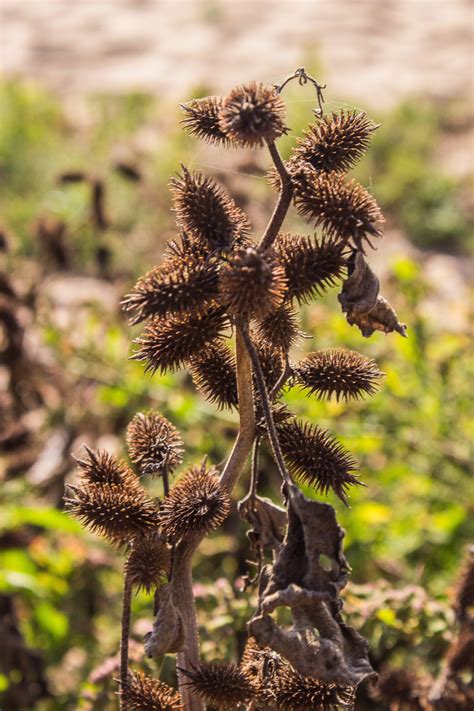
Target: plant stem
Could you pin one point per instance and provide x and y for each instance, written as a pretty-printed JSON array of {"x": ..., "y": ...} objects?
[
  {"x": 126, "y": 613},
  {"x": 184, "y": 598},
  {"x": 267, "y": 410},
  {"x": 182, "y": 581},
  {"x": 283, "y": 203},
  {"x": 254, "y": 469},
  {"x": 245, "y": 437}
]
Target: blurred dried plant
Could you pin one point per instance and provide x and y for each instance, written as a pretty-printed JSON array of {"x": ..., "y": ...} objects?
[{"x": 225, "y": 306}]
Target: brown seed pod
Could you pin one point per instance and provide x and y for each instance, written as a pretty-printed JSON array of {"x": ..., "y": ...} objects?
[
  {"x": 313, "y": 457},
  {"x": 294, "y": 692},
  {"x": 336, "y": 142},
  {"x": 196, "y": 504},
  {"x": 168, "y": 343},
  {"x": 224, "y": 686},
  {"x": 176, "y": 286},
  {"x": 144, "y": 693},
  {"x": 202, "y": 120},
  {"x": 148, "y": 562},
  {"x": 252, "y": 284},
  {"x": 339, "y": 372},
  {"x": 253, "y": 114},
  {"x": 112, "y": 511},
  {"x": 100, "y": 467},
  {"x": 279, "y": 328},
  {"x": 206, "y": 212},
  {"x": 154, "y": 444},
  {"x": 311, "y": 267},
  {"x": 214, "y": 374},
  {"x": 345, "y": 210}
]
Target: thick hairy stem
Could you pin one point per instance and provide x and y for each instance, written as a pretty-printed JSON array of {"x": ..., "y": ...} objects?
[
  {"x": 126, "y": 612},
  {"x": 184, "y": 598},
  {"x": 188, "y": 659},
  {"x": 267, "y": 410},
  {"x": 283, "y": 203}
]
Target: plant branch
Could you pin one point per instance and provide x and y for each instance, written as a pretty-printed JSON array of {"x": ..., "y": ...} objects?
[
  {"x": 188, "y": 658},
  {"x": 183, "y": 595},
  {"x": 125, "y": 634},
  {"x": 283, "y": 203},
  {"x": 281, "y": 380},
  {"x": 267, "y": 410},
  {"x": 245, "y": 437},
  {"x": 254, "y": 469}
]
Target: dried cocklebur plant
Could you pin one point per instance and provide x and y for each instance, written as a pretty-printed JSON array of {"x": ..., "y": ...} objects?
[{"x": 225, "y": 306}]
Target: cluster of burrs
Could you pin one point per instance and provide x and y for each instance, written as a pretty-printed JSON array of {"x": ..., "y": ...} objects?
[{"x": 214, "y": 282}]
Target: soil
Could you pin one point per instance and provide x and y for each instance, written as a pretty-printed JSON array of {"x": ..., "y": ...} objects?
[{"x": 373, "y": 50}]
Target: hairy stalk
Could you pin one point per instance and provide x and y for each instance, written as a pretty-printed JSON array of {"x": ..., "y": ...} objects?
[
  {"x": 254, "y": 469},
  {"x": 166, "y": 481},
  {"x": 126, "y": 613},
  {"x": 267, "y": 410},
  {"x": 284, "y": 201},
  {"x": 182, "y": 564},
  {"x": 281, "y": 380},
  {"x": 184, "y": 597},
  {"x": 245, "y": 437}
]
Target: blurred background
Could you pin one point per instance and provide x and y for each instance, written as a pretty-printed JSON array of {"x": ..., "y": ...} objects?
[{"x": 89, "y": 137}]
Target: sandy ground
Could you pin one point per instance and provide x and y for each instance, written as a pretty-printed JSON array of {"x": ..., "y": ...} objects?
[{"x": 375, "y": 50}]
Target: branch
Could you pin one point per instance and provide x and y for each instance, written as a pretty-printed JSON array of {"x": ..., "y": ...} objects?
[
  {"x": 244, "y": 441},
  {"x": 266, "y": 407},
  {"x": 283, "y": 203},
  {"x": 182, "y": 581},
  {"x": 125, "y": 634}
]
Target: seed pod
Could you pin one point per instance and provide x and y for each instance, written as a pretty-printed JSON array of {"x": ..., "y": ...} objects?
[
  {"x": 176, "y": 286},
  {"x": 100, "y": 467},
  {"x": 144, "y": 693},
  {"x": 293, "y": 691},
  {"x": 279, "y": 328},
  {"x": 196, "y": 504},
  {"x": 224, "y": 686},
  {"x": 154, "y": 444},
  {"x": 313, "y": 457},
  {"x": 311, "y": 267},
  {"x": 214, "y": 374},
  {"x": 335, "y": 142},
  {"x": 253, "y": 114},
  {"x": 345, "y": 210},
  {"x": 206, "y": 212},
  {"x": 338, "y": 372},
  {"x": 202, "y": 120},
  {"x": 112, "y": 511},
  {"x": 252, "y": 284},
  {"x": 148, "y": 562},
  {"x": 168, "y": 343}
]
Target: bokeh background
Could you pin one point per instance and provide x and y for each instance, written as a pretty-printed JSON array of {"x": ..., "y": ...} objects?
[{"x": 89, "y": 137}]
